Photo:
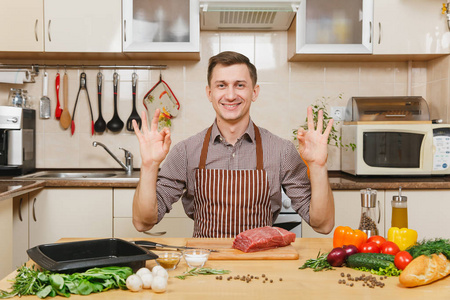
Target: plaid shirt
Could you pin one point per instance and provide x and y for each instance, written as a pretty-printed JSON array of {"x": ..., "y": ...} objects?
[{"x": 282, "y": 163}]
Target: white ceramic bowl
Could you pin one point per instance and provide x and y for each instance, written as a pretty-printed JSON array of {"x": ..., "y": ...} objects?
[{"x": 196, "y": 258}]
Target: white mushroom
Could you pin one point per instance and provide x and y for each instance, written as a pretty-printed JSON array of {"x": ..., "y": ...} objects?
[
  {"x": 147, "y": 280},
  {"x": 159, "y": 284},
  {"x": 134, "y": 283}
]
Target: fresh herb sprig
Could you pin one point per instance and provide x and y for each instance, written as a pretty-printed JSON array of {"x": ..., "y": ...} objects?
[
  {"x": 202, "y": 271},
  {"x": 430, "y": 246},
  {"x": 318, "y": 264}
]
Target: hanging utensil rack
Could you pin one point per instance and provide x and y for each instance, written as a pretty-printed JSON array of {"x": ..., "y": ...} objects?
[{"x": 34, "y": 68}]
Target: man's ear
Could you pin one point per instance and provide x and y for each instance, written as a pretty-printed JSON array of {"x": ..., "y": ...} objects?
[
  {"x": 255, "y": 93},
  {"x": 208, "y": 92}
]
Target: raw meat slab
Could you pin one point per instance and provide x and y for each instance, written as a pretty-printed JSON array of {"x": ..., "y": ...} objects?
[{"x": 226, "y": 252}]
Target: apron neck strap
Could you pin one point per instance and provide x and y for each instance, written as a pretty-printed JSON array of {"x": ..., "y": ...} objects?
[{"x": 259, "y": 149}]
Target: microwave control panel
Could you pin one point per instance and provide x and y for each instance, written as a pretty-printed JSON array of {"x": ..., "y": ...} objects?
[{"x": 441, "y": 143}]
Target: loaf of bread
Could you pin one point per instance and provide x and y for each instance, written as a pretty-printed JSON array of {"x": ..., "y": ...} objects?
[{"x": 424, "y": 270}]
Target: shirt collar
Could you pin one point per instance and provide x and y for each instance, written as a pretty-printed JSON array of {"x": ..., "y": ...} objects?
[{"x": 249, "y": 133}]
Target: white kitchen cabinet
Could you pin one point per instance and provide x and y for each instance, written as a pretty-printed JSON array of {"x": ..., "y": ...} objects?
[
  {"x": 410, "y": 27},
  {"x": 428, "y": 212},
  {"x": 22, "y": 25},
  {"x": 348, "y": 213},
  {"x": 56, "y": 213},
  {"x": 82, "y": 26},
  {"x": 332, "y": 27},
  {"x": 6, "y": 235},
  {"x": 174, "y": 224},
  {"x": 161, "y": 26}
]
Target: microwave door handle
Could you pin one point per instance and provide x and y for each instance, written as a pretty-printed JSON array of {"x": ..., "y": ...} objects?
[{"x": 395, "y": 116}]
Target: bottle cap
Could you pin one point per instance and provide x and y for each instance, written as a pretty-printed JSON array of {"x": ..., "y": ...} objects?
[
  {"x": 399, "y": 198},
  {"x": 368, "y": 197}
]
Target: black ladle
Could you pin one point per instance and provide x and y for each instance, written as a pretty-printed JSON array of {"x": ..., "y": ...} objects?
[
  {"x": 115, "y": 124},
  {"x": 100, "y": 124},
  {"x": 134, "y": 114}
]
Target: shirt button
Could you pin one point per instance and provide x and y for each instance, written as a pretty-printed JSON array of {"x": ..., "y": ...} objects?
[{"x": 234, "y": 154}]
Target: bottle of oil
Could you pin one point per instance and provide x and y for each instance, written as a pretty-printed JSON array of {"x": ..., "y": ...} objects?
[{"x": 399, "y": 210}]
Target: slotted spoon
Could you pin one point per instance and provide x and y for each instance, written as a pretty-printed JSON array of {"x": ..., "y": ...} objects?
[{"x": 134, "y": 114}]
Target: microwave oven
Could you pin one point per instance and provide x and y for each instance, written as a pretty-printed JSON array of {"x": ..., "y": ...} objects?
[{"x": 396, "y": 149}]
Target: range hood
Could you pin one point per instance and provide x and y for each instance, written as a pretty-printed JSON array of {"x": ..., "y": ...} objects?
[{"x": 247, "y": 15}]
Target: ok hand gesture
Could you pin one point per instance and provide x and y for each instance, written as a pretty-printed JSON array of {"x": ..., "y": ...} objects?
[{"x": 154, "y": 145}]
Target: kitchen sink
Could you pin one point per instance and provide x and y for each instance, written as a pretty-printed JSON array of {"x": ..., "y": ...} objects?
[{"x": 80, "y": 175}]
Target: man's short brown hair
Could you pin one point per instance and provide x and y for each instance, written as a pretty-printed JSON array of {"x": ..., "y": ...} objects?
[{"x": 228, "y": 58}]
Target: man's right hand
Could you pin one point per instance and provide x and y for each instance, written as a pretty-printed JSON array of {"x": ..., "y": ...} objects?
[{"x": 154, "y": 145}]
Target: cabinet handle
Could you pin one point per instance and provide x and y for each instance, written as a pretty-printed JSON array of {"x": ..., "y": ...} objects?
[
  {"x": 379, "y": 212},
  {"x": 124, "y": 30},
  {"x": 370, "y": 31},
  {"x": 34, "y": 210},
  {"x": 35, "y": 30},
  {"x": 155, "y": 233},
  {"x": 379, "y": 35},
  {"x": 49, "y": 35},
  {"x": 20, "y": 209}
]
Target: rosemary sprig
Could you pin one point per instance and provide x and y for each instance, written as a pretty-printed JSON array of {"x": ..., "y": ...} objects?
[
  {"x": 318, "y": 264},
  {"x": 202, "y": 271}
]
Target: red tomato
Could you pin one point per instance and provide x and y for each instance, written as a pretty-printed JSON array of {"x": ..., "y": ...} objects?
[
  {"x": 377, "y": 239},
  {"x": 370, "y": 247},
  {"x": 402, "y": 259},
  {"x": 389, "y": 248}
]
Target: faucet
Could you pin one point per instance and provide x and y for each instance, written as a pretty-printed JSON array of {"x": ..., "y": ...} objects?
[{"x": 128, "y": 166}]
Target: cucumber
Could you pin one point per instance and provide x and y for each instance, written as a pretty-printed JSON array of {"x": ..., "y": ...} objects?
[
  {"x": 362, "y": 260},
  {"x": 382, "y": 256}
]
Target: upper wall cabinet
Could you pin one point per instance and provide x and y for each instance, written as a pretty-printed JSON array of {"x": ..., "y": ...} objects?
[
  {"x": 21, "y": 25},
  {"x": 82, "y": 26},
  {"x": 333, "y": 27},
  {"x": 161, "y": 26},
  {"x": 410, "y": 27},
  {"x": 374, "y": 30}
]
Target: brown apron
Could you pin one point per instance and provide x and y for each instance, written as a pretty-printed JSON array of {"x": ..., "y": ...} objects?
[{"x": 227, "y": 202}]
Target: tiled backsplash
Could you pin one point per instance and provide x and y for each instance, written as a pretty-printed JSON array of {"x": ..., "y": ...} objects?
[{"x": 287, "y": 88}]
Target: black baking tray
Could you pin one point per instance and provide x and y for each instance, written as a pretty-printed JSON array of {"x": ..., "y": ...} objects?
[{"x": 79, "y": 256}]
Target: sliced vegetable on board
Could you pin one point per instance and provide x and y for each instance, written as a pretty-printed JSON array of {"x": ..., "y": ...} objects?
[
  {"x": 403, "y": 237},
  {"x": 345, "y": 235}
]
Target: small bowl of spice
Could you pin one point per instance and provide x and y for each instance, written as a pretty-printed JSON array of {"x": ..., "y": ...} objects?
[
  {"x": 196, "y": 258},
  {"x": 168, "y": 260}
]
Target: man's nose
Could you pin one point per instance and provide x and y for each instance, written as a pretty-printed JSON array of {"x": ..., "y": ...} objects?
[{"x": 230, "y": 93}]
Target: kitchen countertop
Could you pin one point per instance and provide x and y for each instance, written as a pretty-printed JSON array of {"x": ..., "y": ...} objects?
[
  {"x": 11, "y": 187},
  {"x": 304, "y": 284}
]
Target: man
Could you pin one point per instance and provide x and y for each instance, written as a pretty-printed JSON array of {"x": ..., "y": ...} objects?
[{"x": 230, "y": 175}]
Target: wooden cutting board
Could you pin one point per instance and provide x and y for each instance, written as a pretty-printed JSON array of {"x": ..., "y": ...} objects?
[{"x": 226, "y": 252}]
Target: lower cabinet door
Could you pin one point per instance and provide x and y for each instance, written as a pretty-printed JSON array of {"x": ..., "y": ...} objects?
[
  {"x": 69, "y": 213},
  {"x": 168, "y": 227}
]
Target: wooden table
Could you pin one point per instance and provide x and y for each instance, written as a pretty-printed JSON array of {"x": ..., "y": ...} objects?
[{"x": 295, "y": 284}]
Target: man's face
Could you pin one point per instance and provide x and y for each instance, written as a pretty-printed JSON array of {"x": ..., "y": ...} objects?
[{"x": 231, "y": 92}]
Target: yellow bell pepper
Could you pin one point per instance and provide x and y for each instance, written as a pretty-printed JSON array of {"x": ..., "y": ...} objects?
[{"x": 403, "y": 237}]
